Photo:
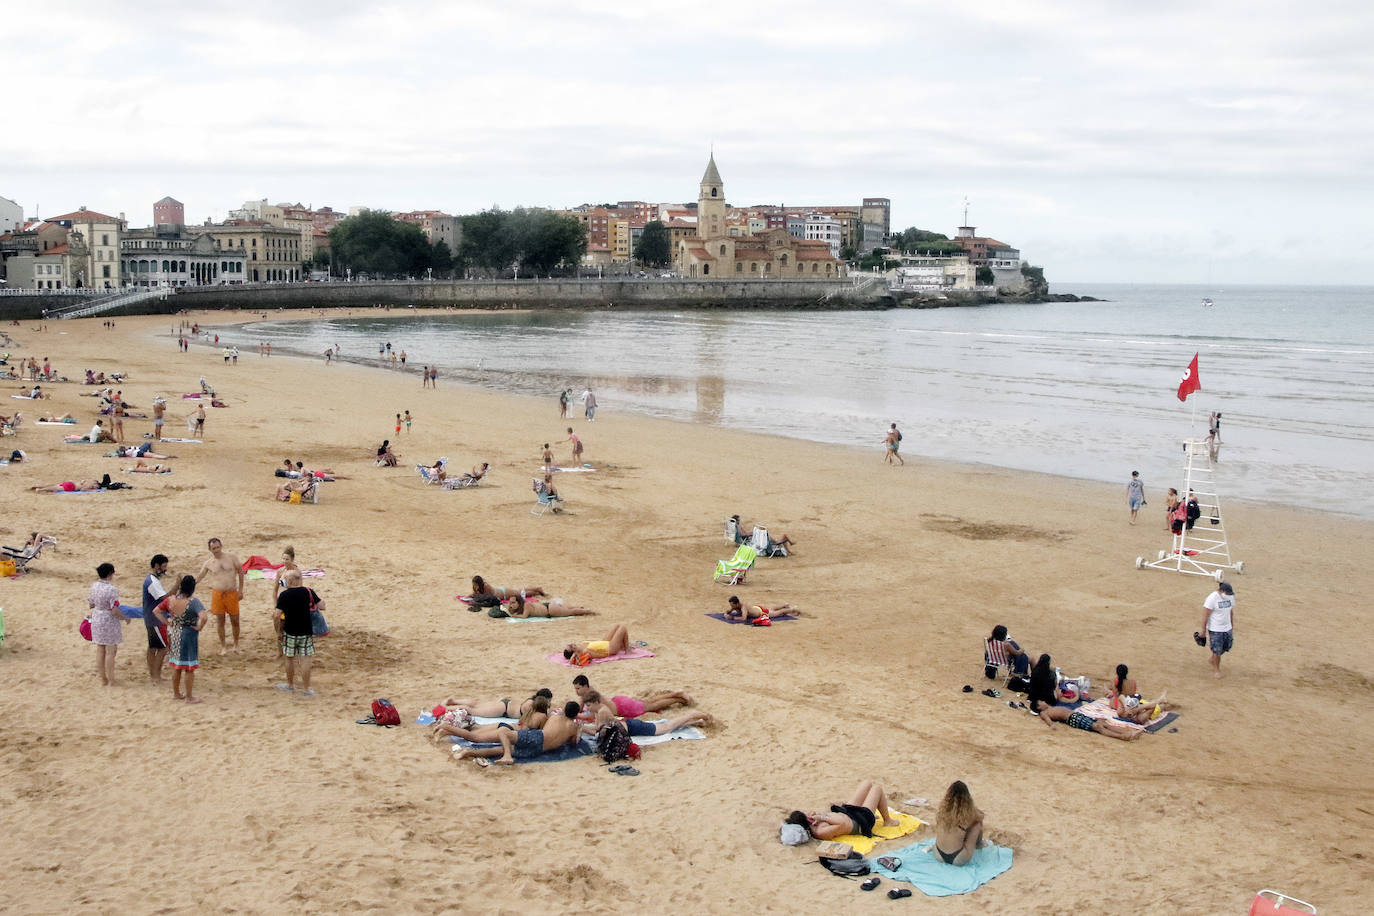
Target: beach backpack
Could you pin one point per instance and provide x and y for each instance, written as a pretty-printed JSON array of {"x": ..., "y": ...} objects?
[
  {"x": 613, "y": 741},
  {"x": 383, "y": 713}
]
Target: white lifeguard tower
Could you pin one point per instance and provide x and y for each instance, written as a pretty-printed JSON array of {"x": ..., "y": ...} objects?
[{"x": 1201, "y": 550}]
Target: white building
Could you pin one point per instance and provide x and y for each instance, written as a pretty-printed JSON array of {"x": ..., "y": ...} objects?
[
  {"x": 11, "y": 215},
  {"x": 934, "y": 273},
  {"x": 823, "y": 228},
  {"x": 98, "y": 236},
  {"x": 170, "y": 257}
]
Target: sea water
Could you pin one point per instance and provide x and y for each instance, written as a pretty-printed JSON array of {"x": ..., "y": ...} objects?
[{"x": 1082, "y": 389}]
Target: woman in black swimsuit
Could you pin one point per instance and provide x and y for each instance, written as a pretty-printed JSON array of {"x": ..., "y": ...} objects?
[
  {"x": 494, "y": 709},
  {"x": 958, "y": 826},
  {"x": 859, "y": 817}
]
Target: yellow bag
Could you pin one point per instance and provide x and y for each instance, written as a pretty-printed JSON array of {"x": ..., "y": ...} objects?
[
  {"x": 295, "y": 497},
  {"x": 7, "y": 568}
]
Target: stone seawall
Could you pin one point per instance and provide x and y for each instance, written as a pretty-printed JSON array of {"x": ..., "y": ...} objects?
[{"x": 600, "y": 294}]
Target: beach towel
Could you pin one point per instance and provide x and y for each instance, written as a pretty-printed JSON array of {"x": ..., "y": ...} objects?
[
  {"x": 633, "y": 652},
  {"x": 585, "y": 747},
  {"x": 535, "y": 619},
  {"x": 936, "y": 879},
  {"x": 54, "y": 422},
  {"x": 906, "y": 824},
  {"x": 776, "y": 618},
  {"x": 1101, "y": 709},
  {"x": 260, "y": 562},
  {"x": 687, "y": 733},
  {"x": 170, "y": 439},
  {"x": 23, "y": 397},
  {"x": 1162, "y": 721},
  {"x": 129, "y": 610},
  {"x": 585, "y": 469}
]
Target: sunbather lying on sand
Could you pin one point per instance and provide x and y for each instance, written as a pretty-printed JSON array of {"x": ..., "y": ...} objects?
[
  {"x": 525, "y": 743},
  {"x": 858, "y": 818},
  {"x": 554, "y": 607},
  {"x": 599, "y": 711},
  {"x": 144, "y": 450},
  {"x": 143, "y": 467},
  {"x": 1127, "y": 703},
  {"x": 533, "y": 717},
  {"x": 480, "y": 587},
  {"x": 65, "y": 418},
  {"x": 492, "y": 709},
  {"x": 749, "y": 612},
  {"x": 1075, "y": 719},
  {"x": 636, "y": 706},
  {"x": 74, "y": 486},
  {"x": 616, "y": 641}
]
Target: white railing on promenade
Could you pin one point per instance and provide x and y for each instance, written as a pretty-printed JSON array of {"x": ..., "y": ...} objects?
[
  {"x": 64, "y": 291},
  {"x": 107, "y": 303}
]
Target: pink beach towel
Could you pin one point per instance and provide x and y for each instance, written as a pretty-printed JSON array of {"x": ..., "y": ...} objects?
[{"x": 633, "y": 652}]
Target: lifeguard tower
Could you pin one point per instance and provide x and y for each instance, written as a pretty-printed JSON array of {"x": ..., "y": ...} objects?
[{"x": 1200, "y": 549}]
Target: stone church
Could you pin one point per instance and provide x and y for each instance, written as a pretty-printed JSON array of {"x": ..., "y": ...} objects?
[{"x": 773, "y": 254}]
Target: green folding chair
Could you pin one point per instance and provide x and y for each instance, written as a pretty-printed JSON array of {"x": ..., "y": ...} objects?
[{"x": 734, "y": 568}]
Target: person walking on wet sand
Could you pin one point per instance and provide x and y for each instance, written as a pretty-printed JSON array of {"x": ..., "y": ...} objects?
[
  {"x": 589, "y": 399},
  {"x": 1135, "y": 494},
  {"x": 222, "y": 572},
  {"x": 563, "y": 403},
  {"x": 891, "y": 443}
]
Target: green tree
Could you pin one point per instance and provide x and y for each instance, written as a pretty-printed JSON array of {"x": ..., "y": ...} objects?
[
  {"x": 321, "y": 259},
  {"x": 913, "y": 239},
  {"x": 848, "y": 253},
  {"x": 655, "y": 246},
  {"x": 440, "y": 258},
  {"x": 538, "y": 240},
  {"x": 374, "y": 243},
  {"x": 984, "y": 276}
]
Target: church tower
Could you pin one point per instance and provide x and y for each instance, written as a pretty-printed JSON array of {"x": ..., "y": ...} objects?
[{"x": 711, "y": 204}]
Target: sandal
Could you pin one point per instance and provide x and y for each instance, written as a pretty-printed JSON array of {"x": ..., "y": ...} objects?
[
  {"x": 897, "y": 893},
  {"x": 871, "y": 883}
]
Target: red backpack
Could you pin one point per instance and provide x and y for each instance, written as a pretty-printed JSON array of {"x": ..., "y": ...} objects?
[{"x": 383, "y": 713}]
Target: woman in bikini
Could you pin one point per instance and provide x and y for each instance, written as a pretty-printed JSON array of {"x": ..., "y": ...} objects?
[
  {"x": 494, "y": 709},
  {"x": 534, "y": 713},
  {"x": 858, "y": 818},
  {"x": 616, "y": 641},
  {"x": 480, "y": 587},
  {"x": 554, "y": 607},
  {"x": 1124, "y": 695},
  {"x": 958, "y": 826}
]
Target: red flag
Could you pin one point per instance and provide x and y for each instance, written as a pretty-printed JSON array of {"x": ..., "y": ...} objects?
[{"x": 1190, "y": 381}]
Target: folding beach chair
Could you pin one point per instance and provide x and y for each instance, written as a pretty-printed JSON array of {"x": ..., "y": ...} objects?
[
  {"x": 760, "y": 541},
  {"x": 10, "y": 428},
  {"x": 1272, "y": 903},
  {"x": 734, "y": 568},
  {"x": 22, "y": 556},
  {"x": 546, "y": 500},
  {"x": 428, "y": 474}
]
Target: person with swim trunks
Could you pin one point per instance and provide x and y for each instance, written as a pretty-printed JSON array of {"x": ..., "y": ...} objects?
[
  {"x": 754, "y": 611},
  {"x": 859, "y": 817},
  {"x": 222, "y": 572},
  {"x": 529, "y": 742},
  {"x": 598, "y": 712},
  {"x": 1075, "y": 719},
  {"x": 636, "y": 706}
]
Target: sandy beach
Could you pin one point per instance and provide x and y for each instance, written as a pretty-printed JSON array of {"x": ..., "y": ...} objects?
[{"x": 122, "y": 800}]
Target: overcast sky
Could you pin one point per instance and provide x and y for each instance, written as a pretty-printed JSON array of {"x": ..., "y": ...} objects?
[{"x": 1204, "y": 141}]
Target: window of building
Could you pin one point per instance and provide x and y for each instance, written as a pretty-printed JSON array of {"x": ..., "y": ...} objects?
[
  {"x": 814, "y": 267},
  {"x": 104, "y": 239},
  {"x": 105, "y": 271},
  {"x": 705, "y": 269},
  {"x": 753, "y": 267},
  {"x": 767, "y": 267},
  {"x": 739, "y": 267}
]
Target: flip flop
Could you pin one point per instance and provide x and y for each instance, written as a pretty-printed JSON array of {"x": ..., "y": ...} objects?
[
  {"x": 968, "y": 689},
  {"x": 624, "y": 770},
  {"x": 897, "y": 893},
  {"x": 871, "y": 883}
]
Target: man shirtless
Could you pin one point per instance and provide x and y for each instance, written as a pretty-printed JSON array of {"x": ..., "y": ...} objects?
[
  {"x": 529, "y": 742},
  {"x": 159, "y": 409},
  {"x": 224, "y": 575},
  {"x": 635, "y": 706},
  {"x": 601, "y": 712}
]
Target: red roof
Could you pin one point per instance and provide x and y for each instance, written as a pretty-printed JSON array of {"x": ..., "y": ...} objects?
[
  {"x": 700, "y": 253},
  {"x": 83, "y": 216},
  {"x": 814, "y": 254},
  {"x": 56, "y": 249}
]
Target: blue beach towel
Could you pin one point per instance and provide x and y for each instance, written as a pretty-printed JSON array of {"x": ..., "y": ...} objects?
[
  {"x": 583, "y": 748},
  {"x": 129, "y": 610},
  {"x": 936, "y": 879},
  {"x": 778, "y": 619}
]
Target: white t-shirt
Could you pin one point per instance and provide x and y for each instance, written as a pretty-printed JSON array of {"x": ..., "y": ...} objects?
[{"x": 1219, "y": 621}]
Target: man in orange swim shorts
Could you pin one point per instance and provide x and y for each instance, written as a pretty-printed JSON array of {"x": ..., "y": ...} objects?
[{"x": 223, "y": 574}]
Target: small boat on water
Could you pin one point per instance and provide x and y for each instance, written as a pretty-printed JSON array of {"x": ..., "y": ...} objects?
[{"x": 1207, "y": 303}]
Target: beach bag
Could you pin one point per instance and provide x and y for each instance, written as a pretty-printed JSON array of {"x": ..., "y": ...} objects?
[
  {"x": 496, "y": 612},
  {"x": 477, "y": 601},
  {"x": 383, "y": 713},
  {"x": 84, "y": 628},
  {"x": 852, "y": 867},
  {"x": 318, "y": 625},
  {"x": 8, "y": 569},
  {"x": 295, "y": 497},
  {"x": 613, "y": 741}
]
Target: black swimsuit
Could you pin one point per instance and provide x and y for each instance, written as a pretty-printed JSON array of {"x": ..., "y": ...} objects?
[{"x": 863, "y": 818}]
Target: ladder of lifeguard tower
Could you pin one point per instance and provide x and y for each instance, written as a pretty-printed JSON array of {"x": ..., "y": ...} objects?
[{"x": 1202, "y": 550}]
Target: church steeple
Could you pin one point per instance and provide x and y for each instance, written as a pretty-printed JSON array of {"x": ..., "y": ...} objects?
[{"x": 711, "y": 203}]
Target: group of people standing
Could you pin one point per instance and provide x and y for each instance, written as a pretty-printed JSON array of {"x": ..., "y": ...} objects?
[{"x": 174, "y": 620}]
